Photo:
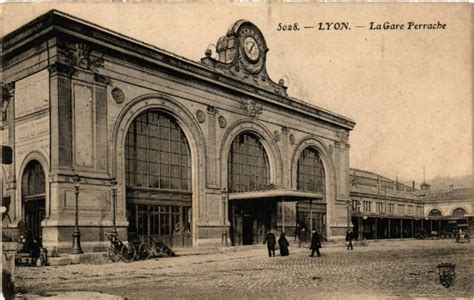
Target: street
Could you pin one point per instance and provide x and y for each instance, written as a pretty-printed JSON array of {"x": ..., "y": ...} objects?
[{"x": 380, "y": 269}]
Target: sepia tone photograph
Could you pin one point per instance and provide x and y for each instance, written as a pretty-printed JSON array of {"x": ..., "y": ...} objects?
[{"x": 237, "y": 151}]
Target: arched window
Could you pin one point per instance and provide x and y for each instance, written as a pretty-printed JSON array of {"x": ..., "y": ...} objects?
[
  {"x": 157, "y": 153},
  {"x": 158, "y": 158},
  {"x": 310, "y": 173},
  {"x": 33, "y": 180},
  {"x": 459, "y": 212},
  {"x": 435, "y": 213},
  {"x": 248, "y": 168}
]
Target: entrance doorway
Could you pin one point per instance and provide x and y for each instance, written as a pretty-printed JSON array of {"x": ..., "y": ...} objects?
[
  {"x": 33, "y": 198},
  {"x": 251, "y": 219}
]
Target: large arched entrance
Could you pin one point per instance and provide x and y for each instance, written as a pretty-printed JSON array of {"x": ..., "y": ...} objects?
[
  {"x": 33, "y": 197},
  {"x": 158, "y": 179},
  {"x": 248, "y": 171},
  {"x": 310, "y": 178}
]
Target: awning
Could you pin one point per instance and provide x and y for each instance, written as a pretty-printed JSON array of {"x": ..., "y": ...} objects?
[{"x": 290, "y": 195}]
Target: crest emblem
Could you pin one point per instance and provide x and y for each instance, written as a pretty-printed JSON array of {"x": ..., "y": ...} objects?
[
  {"x": 447, "y": 274},
  {"x": 251, "y": 107}
]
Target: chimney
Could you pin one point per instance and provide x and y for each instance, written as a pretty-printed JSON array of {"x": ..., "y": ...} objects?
[
  {"x": 451, "y": 187},
  {"x": 413, "y": 185}
]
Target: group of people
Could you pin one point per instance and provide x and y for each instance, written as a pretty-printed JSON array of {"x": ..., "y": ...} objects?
[
  {"x": 316, "y": 240},
  {"x": 283, "y": 244}
]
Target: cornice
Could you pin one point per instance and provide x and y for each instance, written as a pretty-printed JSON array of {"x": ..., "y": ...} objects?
[{"x": 64, "y": 25}]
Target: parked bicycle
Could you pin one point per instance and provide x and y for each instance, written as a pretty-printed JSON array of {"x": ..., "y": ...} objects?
[{"x": 119, "y": 250}]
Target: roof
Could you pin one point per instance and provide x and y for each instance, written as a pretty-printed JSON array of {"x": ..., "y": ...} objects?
[
  {"x": 446, "y": 195},
  {"x": 375, "y": 192}
]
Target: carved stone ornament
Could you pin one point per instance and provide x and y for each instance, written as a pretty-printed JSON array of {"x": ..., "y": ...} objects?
[
  {"x": 200, "y": 116},
  {"x": 222, "y": 122},
  {"x": 331, "y": 149},
  {"x": 251, "y": 107},
  {"x": 211, "y": 110},
  {"x": 292, "y": 139},
  {"x": 342, "y": 139},
  {"x": 101, "y": 79},
  {"x": 61, "y": 69},
  {"x": 276, "y": 135},
  {"x": 8, "y": 90},
  {"x": 81, "y": 57},
  {"x": 118, "y": 95}
]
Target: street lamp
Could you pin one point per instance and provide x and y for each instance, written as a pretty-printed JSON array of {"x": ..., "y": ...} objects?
[
  {"x": 113, "y": 186},
  {"x": 225, "y": 195},
  {"x": 76, "y": 235}
]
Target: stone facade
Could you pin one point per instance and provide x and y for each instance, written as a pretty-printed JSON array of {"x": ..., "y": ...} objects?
[{"x": 74, "y": 89}]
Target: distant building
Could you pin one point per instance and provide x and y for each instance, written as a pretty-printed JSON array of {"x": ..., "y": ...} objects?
[{"x": 383, "y": 208}]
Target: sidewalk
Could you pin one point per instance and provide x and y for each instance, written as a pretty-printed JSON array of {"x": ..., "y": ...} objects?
[{"x": 102, "y": 257}]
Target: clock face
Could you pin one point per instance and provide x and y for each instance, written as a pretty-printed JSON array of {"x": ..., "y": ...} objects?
[{"x": 251, "y": 48}]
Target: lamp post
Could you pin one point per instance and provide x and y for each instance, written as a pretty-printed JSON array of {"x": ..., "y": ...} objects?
[
  {"x": 76, "y": 235},
  {"x": 225, "y": 195},
  {"x": 113, "y": 187}
]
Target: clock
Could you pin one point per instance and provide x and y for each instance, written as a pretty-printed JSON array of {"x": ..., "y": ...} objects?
[{"x": 252, "y": 49}]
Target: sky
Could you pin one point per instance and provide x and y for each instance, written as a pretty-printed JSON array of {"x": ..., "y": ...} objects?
[{"x": 409, "y": 91}]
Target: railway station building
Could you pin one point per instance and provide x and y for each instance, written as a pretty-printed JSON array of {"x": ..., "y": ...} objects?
[{"x": 180, "y": 150}]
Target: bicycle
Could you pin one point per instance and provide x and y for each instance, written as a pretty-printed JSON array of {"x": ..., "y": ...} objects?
[{"x": 119, "y": 250}]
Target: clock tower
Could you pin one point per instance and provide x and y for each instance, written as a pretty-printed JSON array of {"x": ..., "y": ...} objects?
[{"x": 242, "y": 53}]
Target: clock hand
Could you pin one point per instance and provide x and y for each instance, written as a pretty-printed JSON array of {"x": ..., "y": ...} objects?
[{"x": 251, "y": 48}]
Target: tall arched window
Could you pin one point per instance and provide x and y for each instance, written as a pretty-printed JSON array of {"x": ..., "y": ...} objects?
[
  {"x": 435, "y": 213},
  {"x": 459, "y": 212},
  {"x": 33, "y": 180},
  {"x": 248, "y": 168},
  {"x": 310, "y": 173},
  {"x": 158, "y": 178},
  {"x": 157, "y": 153},
  {"x": 33, "y": 195}
]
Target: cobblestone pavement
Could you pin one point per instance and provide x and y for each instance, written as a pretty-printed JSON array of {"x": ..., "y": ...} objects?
[{"x": 388, "y": 269}]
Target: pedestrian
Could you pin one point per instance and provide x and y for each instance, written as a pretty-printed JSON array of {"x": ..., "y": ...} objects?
[
  {"x": 270, "y": 240},
  {"x": 315, "y": 243},
  {"x": 283, "y": 243},
  {"x": 297, "y": 230},
  {"x": 349, "y": 239}
]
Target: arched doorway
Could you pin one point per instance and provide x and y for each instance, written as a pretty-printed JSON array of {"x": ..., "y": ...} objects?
[
  {"x": 248, "y": 171},
  {"x": 158, "y": 179},
  {"x": 311, "y": 178},
  {"x": 33, "y": 197}
]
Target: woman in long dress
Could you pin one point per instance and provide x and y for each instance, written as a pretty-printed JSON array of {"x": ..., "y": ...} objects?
[{"x": 283, "y": 243}]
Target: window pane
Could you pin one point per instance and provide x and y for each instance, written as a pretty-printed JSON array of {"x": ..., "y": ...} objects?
[
  {"x": 154, "y": 142},
  {"x": 310, "y": 172}
]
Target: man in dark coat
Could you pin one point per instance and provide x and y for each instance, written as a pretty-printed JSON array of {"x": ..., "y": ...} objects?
[
  {"x": 315, "y": 243},
  {"x": 271, "y": 242},
  {"x": 349, "y": 239},
  {"x": 283, "y": 243}
]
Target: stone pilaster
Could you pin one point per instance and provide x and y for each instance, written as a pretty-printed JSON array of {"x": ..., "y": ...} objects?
[
  {"x": 286, "y": 176},
  {"x": 212, "y": 165},
  {"x": 8, "y": 115}
]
